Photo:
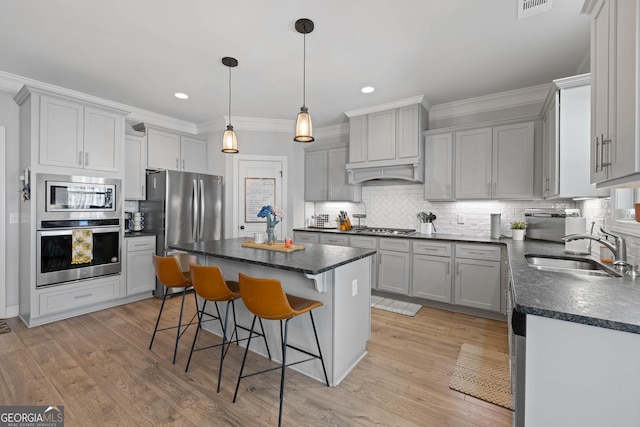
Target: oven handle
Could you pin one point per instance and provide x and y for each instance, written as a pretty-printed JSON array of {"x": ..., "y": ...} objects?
[{"x": 68, "y": 231}]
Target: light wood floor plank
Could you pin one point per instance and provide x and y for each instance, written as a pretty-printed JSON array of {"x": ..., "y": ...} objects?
[{"x": 99, "y": 367}]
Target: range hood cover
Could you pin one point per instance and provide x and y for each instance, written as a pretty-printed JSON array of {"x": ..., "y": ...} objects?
[{"x": 393, "y": 174}]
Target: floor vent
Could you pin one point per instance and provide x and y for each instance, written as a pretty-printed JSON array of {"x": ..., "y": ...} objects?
[{"x": 533, "y": 7}]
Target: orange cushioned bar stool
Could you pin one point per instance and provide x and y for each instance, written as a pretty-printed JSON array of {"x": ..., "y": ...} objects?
[
  {"x": 170, "y": 274},
  {"x": 210, "y": 285},
  {"x": 266, "y": 299}
]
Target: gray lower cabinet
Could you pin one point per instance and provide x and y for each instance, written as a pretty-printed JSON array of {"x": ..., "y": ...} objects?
[
  {"x": 368, "y": 242},
  {"x": 477, "y": 279},
  {"x": 432, "y": 268},
  {"x": 334, "y": 239},
  {"x": 394, "y": 265},
  {"x": 141, "y": 275},
  {"x": 306, "y": 237}
]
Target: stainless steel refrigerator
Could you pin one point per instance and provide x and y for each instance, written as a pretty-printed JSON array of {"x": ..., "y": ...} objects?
[{"x": 182, "y": 207}]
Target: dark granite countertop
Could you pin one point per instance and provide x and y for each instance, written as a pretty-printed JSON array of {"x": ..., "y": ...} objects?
[
  {"x": 606, "y": 302},
  {"x": 313, "y": 259},
  {"x": 138, "y": 233}
]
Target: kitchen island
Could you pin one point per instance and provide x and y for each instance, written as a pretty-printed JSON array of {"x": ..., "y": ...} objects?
[{"x": 337, "y": 276}]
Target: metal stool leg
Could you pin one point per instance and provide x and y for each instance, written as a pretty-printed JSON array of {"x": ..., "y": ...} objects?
[
  {"x": 326, "y": 378},
  {"x": 284, "y": 364},
  {"x": 175, "y": 349},
  {"x": 265, "y": 338},
  {"x": 164, "y": 298},
  {"x": 244, "y": 359},
  {"x": 195, "y": 337},
  {"x": 224, "y": 340}
]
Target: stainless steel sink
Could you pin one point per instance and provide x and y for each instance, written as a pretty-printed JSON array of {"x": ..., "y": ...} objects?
[{"x": 570, "y": 265}]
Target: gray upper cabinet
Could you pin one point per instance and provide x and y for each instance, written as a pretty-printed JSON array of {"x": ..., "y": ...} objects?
[
  {"x": 615, "y": 145},
  {"x": 438, "y": 160},
  {"x": 386, "y": 143},
  {"x": 565, "y": 139},
  {"x": 170, "y": 150},
  {"x": 326, "y": 176},
  {"x": 495, "y": 163}
]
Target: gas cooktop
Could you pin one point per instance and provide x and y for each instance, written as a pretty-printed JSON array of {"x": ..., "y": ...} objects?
[{"x": 390, "y": 231}]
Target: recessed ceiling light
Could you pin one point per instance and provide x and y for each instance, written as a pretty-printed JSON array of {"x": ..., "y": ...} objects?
[
  {"x": 367, "y": 89},
  {"x": 181, "y": 95}
]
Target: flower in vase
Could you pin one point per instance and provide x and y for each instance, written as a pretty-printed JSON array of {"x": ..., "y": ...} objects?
[{"x": 271, "y": 214}]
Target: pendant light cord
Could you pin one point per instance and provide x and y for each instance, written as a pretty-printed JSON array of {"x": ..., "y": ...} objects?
[
  {"x": 304, "y": 70},
  {"x": 229, "y": 96}
]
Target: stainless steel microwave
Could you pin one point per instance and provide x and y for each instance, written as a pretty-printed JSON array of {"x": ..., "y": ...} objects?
[{"x": 77, "y": 197}]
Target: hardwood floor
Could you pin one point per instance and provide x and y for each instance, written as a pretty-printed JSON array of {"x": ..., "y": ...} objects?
[{"x": 99, "y": 367}]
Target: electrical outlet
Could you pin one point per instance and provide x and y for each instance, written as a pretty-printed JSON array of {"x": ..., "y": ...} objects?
[
  {"x": 14, "y": 218},
  {"x": 460, "y": 219},
  {"x": 354, "y": 287}
]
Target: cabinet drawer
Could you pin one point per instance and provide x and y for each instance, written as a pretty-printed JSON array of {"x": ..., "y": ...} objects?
[
  {"x": 303, "y": 237},
  {"x": 330, "y": 239},
  {"x": 141, "y": 243},
  {"x": 400, "y": 245},
  {"x": 363, "y": 242},
  {"x": 432, "y": 248},
  {"x": 482, "y": 252},
  {"x": 79, "y": 296}
]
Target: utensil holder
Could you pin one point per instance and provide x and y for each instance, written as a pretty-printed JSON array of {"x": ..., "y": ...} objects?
[{"x": 426, "y": 228}]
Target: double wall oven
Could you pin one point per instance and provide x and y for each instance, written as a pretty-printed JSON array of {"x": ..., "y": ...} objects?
[{"x": 79, "y": 232}]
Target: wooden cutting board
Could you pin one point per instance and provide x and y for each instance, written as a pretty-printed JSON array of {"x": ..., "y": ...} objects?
[{"x": 275, "y": 247}]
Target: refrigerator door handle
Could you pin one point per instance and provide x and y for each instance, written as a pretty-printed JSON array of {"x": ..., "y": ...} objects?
[
  {"x": 202, "y": 209},
  {"x": 194, "y": 212}
]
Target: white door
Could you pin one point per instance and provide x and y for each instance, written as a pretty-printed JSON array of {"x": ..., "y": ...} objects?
[{"x": 252, "y": 170}]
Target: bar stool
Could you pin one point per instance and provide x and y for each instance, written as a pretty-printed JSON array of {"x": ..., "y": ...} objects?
[
  {"x": 209, "y": 284},
  {"x": 266, "y": 299},
  {"x": 170, "y": 274}
]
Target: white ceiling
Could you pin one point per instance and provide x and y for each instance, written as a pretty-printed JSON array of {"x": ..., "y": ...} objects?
[{"x": 141, "y": 52}]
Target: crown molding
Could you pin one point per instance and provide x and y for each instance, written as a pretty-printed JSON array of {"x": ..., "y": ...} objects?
[
  {"x": 508, "y": 99},
  {"x": 389, "y": 106},
  {"x": 341, "y": 129}
]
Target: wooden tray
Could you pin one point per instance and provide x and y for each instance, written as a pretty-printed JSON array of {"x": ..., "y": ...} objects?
[{"x": 275, "y": 247}]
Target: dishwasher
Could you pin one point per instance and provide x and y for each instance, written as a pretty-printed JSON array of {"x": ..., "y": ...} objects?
[{"x": 517, "y": 323}]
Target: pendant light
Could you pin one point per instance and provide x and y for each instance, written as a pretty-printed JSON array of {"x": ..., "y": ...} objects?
[
  {"x": 304, "y": 129},
  {"x": 229, "y": 139}
]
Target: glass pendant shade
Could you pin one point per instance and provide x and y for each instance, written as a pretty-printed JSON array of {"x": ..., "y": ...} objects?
[
  {"x": 229, "y": 141},
  {"x": 304, "y": 128},
  {"x": 229, "y": 138}
]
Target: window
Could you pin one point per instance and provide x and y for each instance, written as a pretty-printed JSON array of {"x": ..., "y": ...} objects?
[{"x": 623, "y": 212}]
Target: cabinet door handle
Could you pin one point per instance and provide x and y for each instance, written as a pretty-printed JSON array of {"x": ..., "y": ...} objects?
[
  {"x": 604, "y": 142},
  {"x": 80, "y": 158},
  {"x": 597, "y": 151},
  {"x": 182, "y": 164},
  {"x": 448, "y": 190},
  {"x": 457, "y": 268},
  {"x": 142, "y": 190},
  {"x": 449, "y": 267},
  {"x": 86, "y": 158},
  {"x": 495, "y": 188},
  {"x": 177, "y": 164},
  {"x": 488, "y": 189}
]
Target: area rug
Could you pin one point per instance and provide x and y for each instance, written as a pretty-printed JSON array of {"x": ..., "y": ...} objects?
[
  {"x": 400, "y": 307},
  {"x": 483, "y": 374},
  {"x": 4, "y": 327}
]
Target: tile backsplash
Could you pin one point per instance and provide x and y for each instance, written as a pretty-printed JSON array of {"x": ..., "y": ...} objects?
[{"x": 397, "y": 206}]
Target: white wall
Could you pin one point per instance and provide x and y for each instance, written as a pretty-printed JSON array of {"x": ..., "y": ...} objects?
[
  {"x": 9, "y": 117},
  {"x": 262, "y": 143}
]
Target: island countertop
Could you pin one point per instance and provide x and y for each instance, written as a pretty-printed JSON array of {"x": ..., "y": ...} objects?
[{"x": 313, "y": 259}]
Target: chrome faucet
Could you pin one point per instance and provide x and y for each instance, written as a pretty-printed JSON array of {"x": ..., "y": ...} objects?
[{"x": 619, "y": 248}]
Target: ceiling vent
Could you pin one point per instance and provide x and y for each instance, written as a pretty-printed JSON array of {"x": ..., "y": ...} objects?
[{"x": 533, "y": 7}]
